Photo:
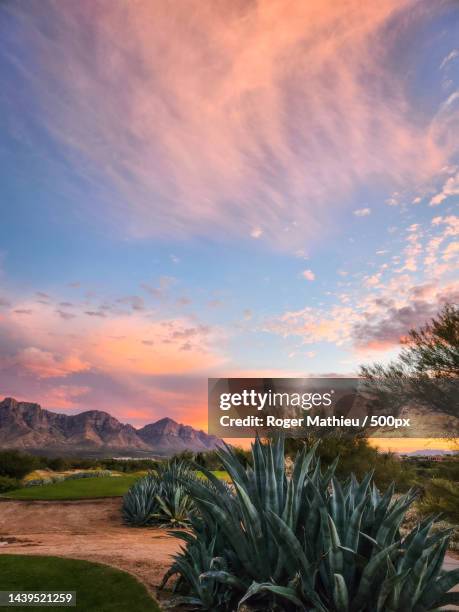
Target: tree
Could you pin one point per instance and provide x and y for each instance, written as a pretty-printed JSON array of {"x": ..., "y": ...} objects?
[
  {"x": 426, "y": 371},
  {"x": 15, "y": 464}
]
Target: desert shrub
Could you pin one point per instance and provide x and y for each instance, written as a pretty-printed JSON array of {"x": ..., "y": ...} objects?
[
  {"x": 38, "y": 482},
  {"x": 90, "y": 474},
  {"x": 358, "y": 457},
  {"x": 308, "y": 542},
  {"x": 16, "y": 464},
  {"x": 441, "y": 497},
  {"x": 446, "y": 469},
  {"x": 52, "y": 478},
  {"x": 209, "y": 460},
  {"x": 161, "y": 498},
  {"x": 8, "y": 484},
  {"x": 129, "y": 465},
  {"x": 58, "y": 464},
  {"x": 84, "y": 463}
]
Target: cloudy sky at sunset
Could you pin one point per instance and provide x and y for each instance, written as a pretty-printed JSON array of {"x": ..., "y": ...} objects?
[{"x": 219, "y": 187}]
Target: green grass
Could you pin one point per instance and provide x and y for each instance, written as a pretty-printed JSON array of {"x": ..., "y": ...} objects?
[
  {"x": 83, "y": 488},
  {"x": 99, "y": 588}
]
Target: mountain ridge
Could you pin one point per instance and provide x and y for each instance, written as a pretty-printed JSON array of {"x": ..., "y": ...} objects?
[{"x": 28, "y": 426}]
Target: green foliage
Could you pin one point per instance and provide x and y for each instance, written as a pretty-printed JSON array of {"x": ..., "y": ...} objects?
[
  {"x": 129, "y": 465},
  {"x": 426, "y": 371},
  {"x": 16, "y": 464},
  {"x": 308, "y": 542},
  {"x": 358, "y": 457},
  {"x": 441, "y": 497},
  {"x": 139, "y": 503},
  {"x": 91, "y": 474},
  {"x": 58, "y": 464},
  {"x": 161, "y": 497},
  {"x": 8, "y": 484}
]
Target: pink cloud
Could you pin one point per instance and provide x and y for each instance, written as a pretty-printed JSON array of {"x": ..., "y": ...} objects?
[
  {"x": 450, "y": 188},
  {"x": 308, "y": 275},
  {"x": 45, "y": 364},
  {"x": 191, "y": 115},
  {"x": 151, "y": 365}
]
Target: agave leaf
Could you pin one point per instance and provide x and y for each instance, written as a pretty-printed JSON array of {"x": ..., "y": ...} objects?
[
  {"x": 436, "y": 589},
  {"x": 288, "y": 513},
  {"x": 302, "y": 465},
  {"x": 436, "y": 562},
  {"x": 284, "y": 592},
  {"x": 272, "y": 500},
  {"x": 362, "y": 489},
  {"x": 252, "y": 518},
  {"x": 388, "y": 599},
  {"x": 416, "y": 548},
  {"x": 384, "y": 503},
  {"x": 391, "y": 522},
  {"x": 338, "y": 507},
  {"x": 340, "y": 594},
  {"x": 336, "y": 555},
  {"x": 289, "y": 543},
  {"x": 449, "y": 599},
  {"x": 368, "y": 575},
  {"x": 224, "y": 578}
]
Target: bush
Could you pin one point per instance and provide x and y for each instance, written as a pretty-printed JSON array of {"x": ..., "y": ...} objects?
[
  {"x": 90, "y": 474},
  {"x": 8, "y": 484},
  {"x": 357, "y": 456},
  {"x": 160, "y": 497},
  {"x": 129, "y": 465},
  {"x": 308, "y": 542},
  {"x": 441, "y": 497},
  {"x": 58, "y": 464},
  {"x": 16, "y": 464},
  {"x": 39, "y": 482},
  {"x": 52, "y": 478}
]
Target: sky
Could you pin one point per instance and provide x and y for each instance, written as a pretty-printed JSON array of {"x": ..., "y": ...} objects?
[{"x": 219, "y": 188}]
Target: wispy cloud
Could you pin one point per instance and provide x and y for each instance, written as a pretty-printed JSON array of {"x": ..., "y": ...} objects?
[
  {"x": 449, "y": 58},
  {"x": 362, "y": 212},
  {"x": 378, "y": 309},
  {"x": 219, "y": 119},
  {"x": 450, "y": 188}
]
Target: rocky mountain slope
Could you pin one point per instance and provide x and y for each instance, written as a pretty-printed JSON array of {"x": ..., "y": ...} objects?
[{"x": 29, "y": 427}]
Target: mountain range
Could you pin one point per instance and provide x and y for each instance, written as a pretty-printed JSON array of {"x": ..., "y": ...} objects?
[{"x": 27, "y": 426}]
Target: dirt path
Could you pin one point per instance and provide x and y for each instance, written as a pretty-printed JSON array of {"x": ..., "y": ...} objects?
[{"x": 87, "y": 529}]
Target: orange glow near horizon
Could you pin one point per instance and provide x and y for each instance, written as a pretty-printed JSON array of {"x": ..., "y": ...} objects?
[
  {"x": 407, "y": 445},
  {"x": 395, "y": 445}
]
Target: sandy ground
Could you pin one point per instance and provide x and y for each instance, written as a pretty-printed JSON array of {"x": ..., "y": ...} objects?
[
  {"x": 86, "y": 529},
  {"x": 93, "y": 530}
]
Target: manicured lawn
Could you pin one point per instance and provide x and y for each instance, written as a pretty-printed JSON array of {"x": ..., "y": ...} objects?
[
  {"x": 83, "y": 488},
  {"x": 99, "y": 588}
]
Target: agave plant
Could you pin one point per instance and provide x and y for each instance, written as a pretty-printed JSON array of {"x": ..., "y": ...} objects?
[
  {"x": 161, "y": 497},
  {"x": 307, "y": 542},
  {"x": 139, "y": 503}
]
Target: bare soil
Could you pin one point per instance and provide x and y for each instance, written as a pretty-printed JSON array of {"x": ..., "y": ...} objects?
[{"x": 86, "y": 529}]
